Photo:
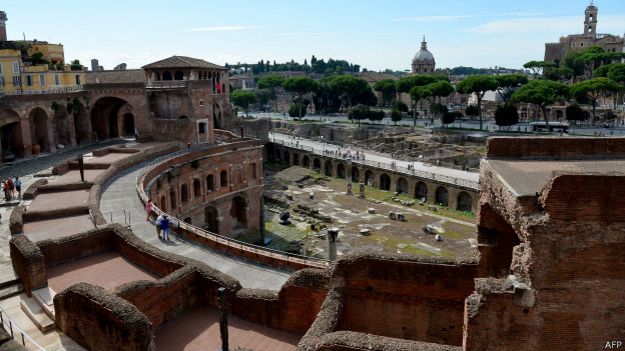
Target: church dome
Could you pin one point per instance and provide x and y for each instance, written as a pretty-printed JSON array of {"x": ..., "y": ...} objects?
[{"x": 424, "y": 54}]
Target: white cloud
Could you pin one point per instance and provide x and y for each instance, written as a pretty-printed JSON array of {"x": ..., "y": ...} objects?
[
  {"x": 431, "y": 18},
  {"x": 305, "y": 34},
  {"x": 221, "y": 28},
  {"x": 614, "y": 24}
]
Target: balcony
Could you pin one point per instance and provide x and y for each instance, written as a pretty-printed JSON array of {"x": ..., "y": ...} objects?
[{"x": 167, "y": 84}]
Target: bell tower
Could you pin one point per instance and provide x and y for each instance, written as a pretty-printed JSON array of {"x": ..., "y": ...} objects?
[
  {"x": 590, "y": 23},
  {"x": 3, "y": 28}
]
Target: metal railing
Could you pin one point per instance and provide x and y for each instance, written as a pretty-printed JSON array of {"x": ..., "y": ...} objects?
[
  {"x": 17, "y": 333},
  {"x": 388, "y": 166},
  {"x": 229, "y": 242},
  {"x": 127, "y": 222},
  {"x": 167, "y": 84}
]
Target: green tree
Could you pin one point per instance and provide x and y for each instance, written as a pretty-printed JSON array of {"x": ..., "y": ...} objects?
[
  {"x": 37, "y": 59},
  {"x": 508, "y": 83},
  {"x": 538, "y": 67},
  {"x": 477, "y": 85},
  {"x": 348, "y": 87},
  {"x": 440, "y": 89},
  {"x": 594, "y": 89},
  {"x": 417, "y": 93},
  {"x": 575, "y": 113},
  {"x": 418, "y": 80},
  {"x": 400, "y": 106},
  {"x": 396, "y": 116},
  {"x": 541, "y": 93},
  {"x": 450, "y": 117},
  {"x": 388, "y": 88},
  {"x": 472, "y": 111},
  {"x": 358, "y": 113},
  {"x": 506, "y": 115},
  {"x": 594, "y": 57},
  {"x": 561, "y": 74},
  {"x": 75, "y": 65},
  {"x": 300, "y": 86},
  {"x": 298, "y": 110},
  {"x": 376, "y": 115},
  {"x": 263, "y": 96},
  {"x": 243, "y": 99},
  {"x": 271, "y": 82}
]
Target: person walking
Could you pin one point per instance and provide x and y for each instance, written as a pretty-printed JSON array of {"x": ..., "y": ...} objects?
[
  {"x": 7, "y": 193},
  {"x": 11, "y": 187},
  {"x": 159, "y": 219},
  {"x": 18, "y": 187},
  {"x": 149, "y": 208},
  {"x": 165, "y": 227}
]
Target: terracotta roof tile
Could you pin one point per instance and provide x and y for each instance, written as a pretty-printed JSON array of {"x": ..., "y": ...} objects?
[{"x": 183, "y": 62}]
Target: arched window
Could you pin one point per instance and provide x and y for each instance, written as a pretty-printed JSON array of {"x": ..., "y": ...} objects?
[
  {"x": 210, "y": 182},
  {"x": 178, "y": 75},
  {"x": 253, "y": 170},
  {"x": 223, "y": 179},
  {"x": 172, "y": 200},
  {"x": 184, "y": 193},
  {"x": 167, "y": 75},
  {"x": 197, "y": 188}
]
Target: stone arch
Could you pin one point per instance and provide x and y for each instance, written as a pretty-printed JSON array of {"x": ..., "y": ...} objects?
[
  {"x": 496, "y": 241},
  {"x": 327, "y": 169},
  {"x": 167, "y": 76},
  {"x": 340, "y": 170},
  {"x": 306, "y": 161},
  {"x": 296, "y": 159},
  {"x": 287, "y": 157},
  {"x": 223, "y": 179},
  {"x": 211, "y": 219},
  {"x": 217, "y": 116},
  {"x": 210, "y": 182},
  {"x": 278, "y": 156},
  {"x": 82, "y": 125},
  {"x": 369, "y": 178},
  {"x": 385, "y": 182},
  {"x": 355, "y": 174},
  {"x": 128, "y": 124},
  {"x": 11, "y": 135},
  {"x": 402, "y": 185},
  {"x": 184, "y": 193},
  {"x": 197, "y": 188},
  {"x": 163, "y": 204},
  {"x": 62, "y": 134},
  {"x": 107, "y": 117},
  {"x": 421, "y": 191},
  {"x": 238, "y": 212},
  {"x": 317, "y": 165},
  {"x": 187, "y": 220},
  {"x": 38, "y": 119},
  {"x": 441, "y": 196},
  {"x": 179, "y": 75},
  {"x": 465, "y": 202},
  {"x": 172, "y": 200}
]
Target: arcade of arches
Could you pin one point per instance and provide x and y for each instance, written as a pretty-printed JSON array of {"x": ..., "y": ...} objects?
[{"x": 448, "y": 195}]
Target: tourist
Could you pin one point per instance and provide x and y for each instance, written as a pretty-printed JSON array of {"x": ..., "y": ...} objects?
[
  {"x": 159, "y": 219},
  {"x": 18, "y": 187},
  {"x": 7, "y": 192},
  {"x": 149, "y": 208},
  {"x": 11, "y": 187},
  {"x": 165, "y": 227}
]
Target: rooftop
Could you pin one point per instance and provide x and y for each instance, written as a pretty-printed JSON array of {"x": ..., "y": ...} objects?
[
  {"x": 126, "y": 76},
  {"x": 182, "y": 62}
]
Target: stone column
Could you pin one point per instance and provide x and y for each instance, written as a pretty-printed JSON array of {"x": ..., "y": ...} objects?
[
  {"x": 333, "y": 234},
  {"x": 223, "y": 318},
  {"x": 361, "y": 189}
]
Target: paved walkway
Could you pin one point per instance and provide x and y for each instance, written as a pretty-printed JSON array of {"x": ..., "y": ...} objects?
[
  {"x": 120, "y": 194},
  {"x": 447, "y": 175}
]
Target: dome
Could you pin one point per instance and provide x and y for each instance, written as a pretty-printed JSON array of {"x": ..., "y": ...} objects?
[{"x": 424, "y": 54}]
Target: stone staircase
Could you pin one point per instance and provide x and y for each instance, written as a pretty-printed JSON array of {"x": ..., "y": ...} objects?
[{"x": 40, "y": 308}]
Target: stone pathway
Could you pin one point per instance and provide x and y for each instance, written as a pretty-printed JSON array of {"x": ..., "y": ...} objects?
[{"x": 121, "y": 194}]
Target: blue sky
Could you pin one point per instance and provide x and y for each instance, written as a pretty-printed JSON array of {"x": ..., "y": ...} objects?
[{"x": 376, "y": 34}]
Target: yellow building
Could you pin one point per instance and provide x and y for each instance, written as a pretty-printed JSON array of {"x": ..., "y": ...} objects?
[{"x": 18, "y": 75}]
